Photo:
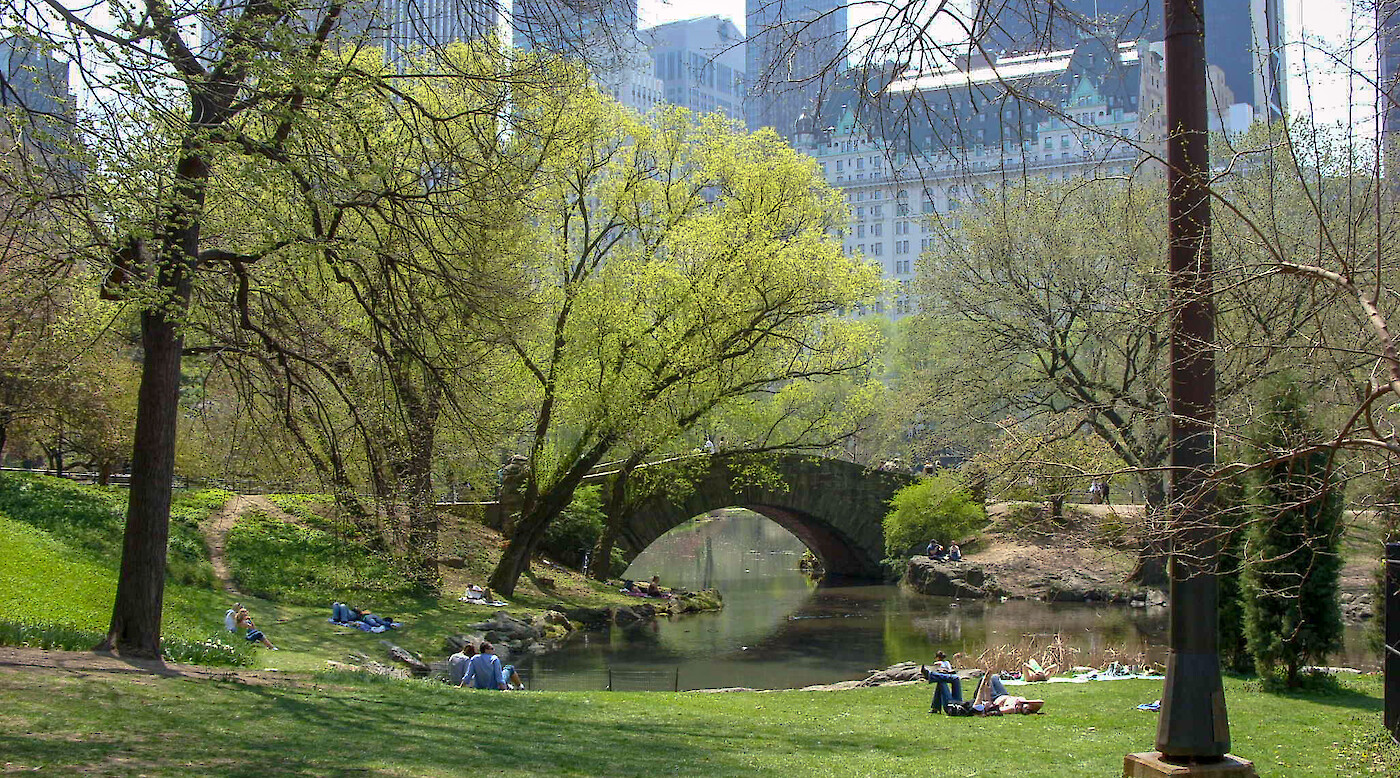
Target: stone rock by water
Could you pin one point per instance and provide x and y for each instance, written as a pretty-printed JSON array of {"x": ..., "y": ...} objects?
[
  {"x": 950, "y": 579},
  {"x": 903, "y": 672},
  {"x": 408, "y": 658}
]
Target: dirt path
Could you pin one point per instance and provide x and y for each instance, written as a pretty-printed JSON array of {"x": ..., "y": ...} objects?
[
  {"x": 83, "y": 664},
  {"x": 216, "y": 531}
]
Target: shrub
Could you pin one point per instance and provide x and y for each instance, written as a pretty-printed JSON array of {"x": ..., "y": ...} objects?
[
  {"x": 1292, "y": 611},
  {"x": 937, "y": 507},
  {"x": 577, "y": 528},
  {"x": 277, "y": 560},
  {"x": 1231, "y": 514}
]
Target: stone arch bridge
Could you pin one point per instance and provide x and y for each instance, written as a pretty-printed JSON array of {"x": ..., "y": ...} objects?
[{"x": 834, "y": 507}]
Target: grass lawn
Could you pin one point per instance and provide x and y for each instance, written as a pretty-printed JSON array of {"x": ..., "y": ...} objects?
[
  {"x": 60, "y": 544},
  {"x": 340, "y": 724}
]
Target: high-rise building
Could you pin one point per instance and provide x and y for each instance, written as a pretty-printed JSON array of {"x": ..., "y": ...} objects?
[
  {"x": 37, "y": 86},
  {"x": 421, "y": 24},
  {"x": 1244, "y": 38},
  {"x": 793, "y": 51},
  {"x": 573, "y": 27},
  {"x": 701, "y": 64},
  {"x": 600, "y": 34},
  {"x": 33, "y": 81},
  {"x": 1388, "y": 66},
  {"x": 399, "y": 26},
  {"x": 1098, "y": 112}
]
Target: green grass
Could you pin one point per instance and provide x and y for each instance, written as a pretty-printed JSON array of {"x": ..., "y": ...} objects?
[
  {"x": 342, "y": 724},
  {"x": 275, "y": 560},
  {"x": 90, "y": 519},
  {"x": 313, "y": 510},
  {"x": 54, "y": 595},
  {"x": 58, "y": 563}
]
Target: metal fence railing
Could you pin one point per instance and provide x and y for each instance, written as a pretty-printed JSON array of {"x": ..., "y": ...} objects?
[
  {"x": 613, "y": 680},
  {"x": 1392, "y": 640}
]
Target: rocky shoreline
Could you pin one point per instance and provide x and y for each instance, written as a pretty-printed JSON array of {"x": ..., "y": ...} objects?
[
  {"x": 515, "y": 638},
  {"x": 969, "y": 580}
]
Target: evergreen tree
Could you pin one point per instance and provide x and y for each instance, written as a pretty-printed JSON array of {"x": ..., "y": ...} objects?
[
  {"x": 1292, "y": 613},
  {"x": 1231, "y": 506}
]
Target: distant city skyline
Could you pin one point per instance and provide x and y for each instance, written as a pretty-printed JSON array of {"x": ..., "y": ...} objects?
[{"x": 1325, "y": 90}]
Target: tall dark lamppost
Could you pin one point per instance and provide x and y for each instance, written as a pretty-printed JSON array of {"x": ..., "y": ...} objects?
[{"x": 1193, "y": 733}]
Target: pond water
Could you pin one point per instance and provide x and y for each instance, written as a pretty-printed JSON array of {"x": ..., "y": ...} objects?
[{"x": 778, "y": 630}]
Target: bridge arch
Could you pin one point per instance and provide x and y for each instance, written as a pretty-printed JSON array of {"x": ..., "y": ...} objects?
[{"x": 834, "y": 507}]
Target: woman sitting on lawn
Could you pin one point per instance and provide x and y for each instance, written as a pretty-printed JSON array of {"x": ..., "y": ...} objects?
[{"x": 255, "y": 635}]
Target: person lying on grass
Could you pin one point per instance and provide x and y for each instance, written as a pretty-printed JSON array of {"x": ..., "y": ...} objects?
[
  {"x": 991, "y": 699},
  {"x": 1032, "y": 670},
  {"x": 948, "y": 685}
]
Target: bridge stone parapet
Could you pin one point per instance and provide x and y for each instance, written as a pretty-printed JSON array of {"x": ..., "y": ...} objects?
[{"x": 834, "y": 507}]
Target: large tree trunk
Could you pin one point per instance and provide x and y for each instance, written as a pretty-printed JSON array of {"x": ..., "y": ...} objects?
[
  {"x": 416, "y": 472},
  {"x": 136, "y": 614},
  {"x": 135, "y": 627},
  {"x": 539, "y": 510},
  {"x": 618, "y": 512}
]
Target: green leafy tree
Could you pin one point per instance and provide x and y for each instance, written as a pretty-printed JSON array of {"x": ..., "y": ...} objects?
[
  {"x": 578, "y": 527},
  {"x": 1292, "y": 612},
  {"x": 678, "y": 264},
  {"x": 939, "y": 507}
]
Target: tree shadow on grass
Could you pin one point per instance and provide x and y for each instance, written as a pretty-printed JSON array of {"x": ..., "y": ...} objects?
[{"x": 426, "y": 730}]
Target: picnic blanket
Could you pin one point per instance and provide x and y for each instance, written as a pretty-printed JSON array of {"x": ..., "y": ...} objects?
[{"x": 1094, "y": 676}]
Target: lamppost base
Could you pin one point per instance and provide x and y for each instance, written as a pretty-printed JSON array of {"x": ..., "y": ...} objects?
[{"x": 1151, "y": 764}]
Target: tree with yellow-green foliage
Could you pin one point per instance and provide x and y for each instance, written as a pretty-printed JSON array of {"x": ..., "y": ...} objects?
[{"x": 678, "y": 264}]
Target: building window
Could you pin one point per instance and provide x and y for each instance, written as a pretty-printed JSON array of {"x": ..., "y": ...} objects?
[
  {"x": 877, "y": 249},
  {"x": 877, "y": 229},
  {"x": 877, "y": 211}
]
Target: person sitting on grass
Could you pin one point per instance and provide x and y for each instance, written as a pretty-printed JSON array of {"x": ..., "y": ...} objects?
[
  {"x": 948, "y": 685},
  {"x": 654, "y": 588},
  {"x": 484, "y": 671},
  {"x": 254, "y": 635},
  {"x": 954, "y": 553},
  {"x": 457, "y": 664}
]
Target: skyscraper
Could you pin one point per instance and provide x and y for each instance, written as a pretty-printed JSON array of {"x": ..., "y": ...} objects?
[
  {"x": 701, "y": 64},
  {"x": 794, "y": 49},
  {"x": 1244, "y": 38},
  {"x": 600, "y": 34},
  {"x": 32, "y": 80},
  {"x": 399, "y": 26},
  {"x": 1388, "y": 65}
]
